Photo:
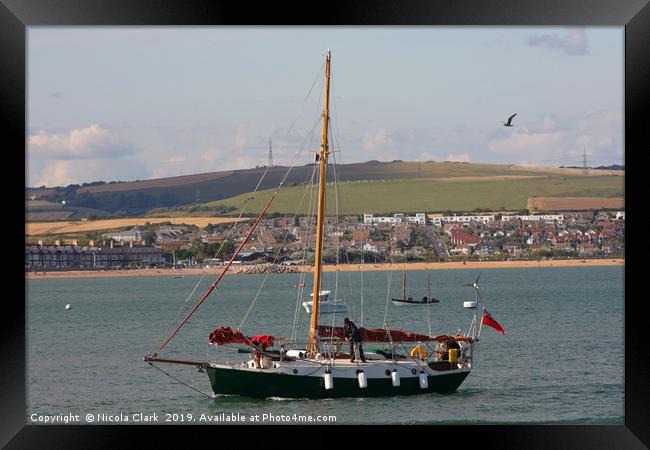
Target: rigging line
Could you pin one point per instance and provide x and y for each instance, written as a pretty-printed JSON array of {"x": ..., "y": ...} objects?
[
  {"x": 181, "y": 381},
  {"x": 305, "y": 240},
  {"x": 243, "y": 208},
  {"x": 214, "y": 285},
  {"x": 277, "y": 254},
  {"x": 338, "y": 240},
  {"x": 248, "y": 235},
  {"x": 336, "y": 144},
  {"x": 388, "y": 278},
  {"x": 182, "y": 307},
  {"x": 339, "y": 208},
  {"x": 263, "y": 212},
  {"x": 180, "y": 310},
  {"x": 320, "y": 74},
  {"x": 241, "y": 213}
]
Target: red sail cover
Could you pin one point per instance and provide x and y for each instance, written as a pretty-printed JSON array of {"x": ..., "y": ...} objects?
[
  {"x": 263, "y": 341},
  {"x": 382, "y": 335},
  {"x": 225, "y": 335}
]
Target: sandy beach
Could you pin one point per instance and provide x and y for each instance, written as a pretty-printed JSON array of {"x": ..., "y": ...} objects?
[{"x": 476, "y": 265}]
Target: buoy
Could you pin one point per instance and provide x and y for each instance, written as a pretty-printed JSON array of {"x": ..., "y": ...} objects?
[
  {"x": 424, "y": 381},
  {"x": 68, "y": 307},
  {"x": 363, "y": 381},
  {"x": 420, "y": 352},
  {"x": 395, "y": 378},
  {"x": 329, "y": 380}
]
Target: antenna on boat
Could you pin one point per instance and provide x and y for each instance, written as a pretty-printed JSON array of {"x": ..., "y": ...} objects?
[{"x": 476, "y": 286}]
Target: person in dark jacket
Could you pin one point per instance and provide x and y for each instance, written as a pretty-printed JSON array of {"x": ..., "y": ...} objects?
[{"x": 352, "y": 335}]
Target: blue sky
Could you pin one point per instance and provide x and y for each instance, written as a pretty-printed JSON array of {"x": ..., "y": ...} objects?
[{"x": 125, "y": 103}]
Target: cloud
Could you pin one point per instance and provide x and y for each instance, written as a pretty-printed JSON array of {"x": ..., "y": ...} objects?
[
  {"x": 458, "y": 157},
  {"x": 69, "y": 171},
  {"x": 91, "y": 142},
  {"x": 573, "y": 43},
  {"x": 240, "y": 137},
  {"x": 526, "y": 143},
  {"x": 175, "y": 159},
  {"x": 378, "y": 140},
  {"x": 224, "y": 159},
  {"x": 562, "y": 140}
]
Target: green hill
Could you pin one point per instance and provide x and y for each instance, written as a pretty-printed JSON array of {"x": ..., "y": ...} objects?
[
  {"x": 420, "y": 195},
  {"x": 139, "y": 197}
]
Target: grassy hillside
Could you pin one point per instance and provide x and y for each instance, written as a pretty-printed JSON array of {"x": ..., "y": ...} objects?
[
  {"x": 138, "y": 197},
  {"x": 426, "y": 195}
]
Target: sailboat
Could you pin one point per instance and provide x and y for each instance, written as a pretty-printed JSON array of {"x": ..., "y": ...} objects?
[
  {"x": 413, "y": 363},
  {"x": 409, "y": 300}
]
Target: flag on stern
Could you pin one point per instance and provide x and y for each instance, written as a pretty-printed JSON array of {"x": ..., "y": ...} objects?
[{"x": 490, "y": 322}]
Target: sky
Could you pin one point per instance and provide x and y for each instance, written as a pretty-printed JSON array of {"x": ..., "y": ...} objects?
[{"x": 127, "y": 103}]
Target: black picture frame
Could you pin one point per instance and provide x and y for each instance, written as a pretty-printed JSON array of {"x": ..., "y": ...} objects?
[{"x": 634, "y": 15}]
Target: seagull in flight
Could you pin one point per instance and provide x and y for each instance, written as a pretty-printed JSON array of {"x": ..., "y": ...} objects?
[{"x": 509, "y": 122}]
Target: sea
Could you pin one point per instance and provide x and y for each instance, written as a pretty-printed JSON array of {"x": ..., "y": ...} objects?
[{"x": 560, "y": 360}]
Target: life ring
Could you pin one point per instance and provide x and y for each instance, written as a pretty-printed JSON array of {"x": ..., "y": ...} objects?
[{"x": 420, "y": 352}]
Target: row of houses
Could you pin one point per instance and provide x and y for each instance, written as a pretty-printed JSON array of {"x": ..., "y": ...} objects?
[
  {"x": 90, "y": 257},
  {"x": 439, "y": 220}
]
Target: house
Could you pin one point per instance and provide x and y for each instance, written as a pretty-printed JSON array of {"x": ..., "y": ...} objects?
[
  {"x": 134, "y": 234},
  {"x": 360, "y": 236},
  {"x": 251, "y": 256},
  {"x": 512, "y": 247},
  {"x": 459, "y": 236},
  {"x": 402, "y": 233},
  {"x": 586, "y": 249}
]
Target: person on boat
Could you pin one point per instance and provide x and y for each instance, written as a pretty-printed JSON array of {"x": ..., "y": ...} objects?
[
  {"x": 352, "y": 335},
  {"x": 425, "y": 299},
  {"x": 410, "y": 299}
]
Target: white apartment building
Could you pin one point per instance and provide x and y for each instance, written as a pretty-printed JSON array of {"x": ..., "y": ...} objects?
[
  {"x": 419, "y": 218},
  {"x": 438, "y": 221},
  {"x": 548, "y": 218}
]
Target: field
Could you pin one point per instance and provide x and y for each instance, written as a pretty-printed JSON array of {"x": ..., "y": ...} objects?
[
  {"x": 428, "y": 195},
  {"x": 573, "y": 203},
  {"x": 70, "y": 227}
]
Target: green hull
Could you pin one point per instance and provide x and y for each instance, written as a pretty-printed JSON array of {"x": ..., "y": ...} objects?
[{"x": 259, "y": 384}]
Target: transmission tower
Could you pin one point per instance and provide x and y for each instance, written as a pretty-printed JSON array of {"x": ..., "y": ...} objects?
[
  {"x": 585, "y": 167},
  {"x": 270, "y": 154}
]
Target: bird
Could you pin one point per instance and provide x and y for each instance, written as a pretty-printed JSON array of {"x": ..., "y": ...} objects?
[{"x": 509, "y": 122}]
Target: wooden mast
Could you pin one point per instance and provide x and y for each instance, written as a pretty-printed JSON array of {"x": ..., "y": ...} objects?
[{"x": 313, "y": 329}]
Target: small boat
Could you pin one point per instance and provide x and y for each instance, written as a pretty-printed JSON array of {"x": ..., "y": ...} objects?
[
  {"x": 325, "y": 304},
  {"x": 427, "y": 299}
]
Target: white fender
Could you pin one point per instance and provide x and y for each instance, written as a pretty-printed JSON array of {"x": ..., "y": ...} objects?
[
  {"x": 424, "y": 381},
  {"x": 363, "y": 381},
  {"x": 329, "y": 381},
  {"x": 395, "y": 378}
]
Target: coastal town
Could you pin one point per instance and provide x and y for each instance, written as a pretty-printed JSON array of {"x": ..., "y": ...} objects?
[{"x": 289, "y": 241}]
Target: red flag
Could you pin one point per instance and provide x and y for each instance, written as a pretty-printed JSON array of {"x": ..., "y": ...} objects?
[{"x": 490, "y": 322}]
